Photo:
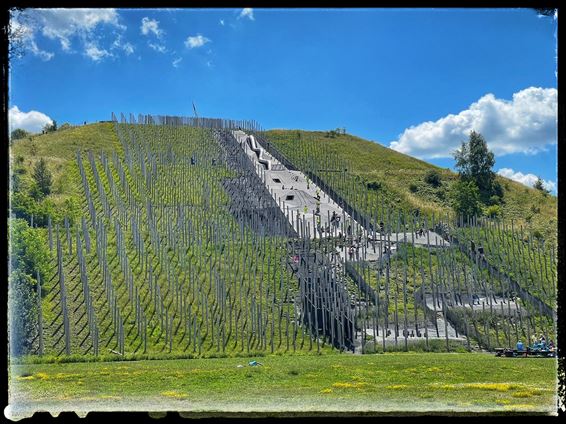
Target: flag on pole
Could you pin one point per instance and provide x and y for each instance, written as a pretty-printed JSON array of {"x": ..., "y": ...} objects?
[{"x": 195, "y": 109}]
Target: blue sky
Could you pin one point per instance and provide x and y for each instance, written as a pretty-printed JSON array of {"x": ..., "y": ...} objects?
[{"x": 417, "y": 80}]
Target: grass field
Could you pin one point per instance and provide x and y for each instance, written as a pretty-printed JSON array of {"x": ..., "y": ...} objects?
[{"x": 393, "y": 382}]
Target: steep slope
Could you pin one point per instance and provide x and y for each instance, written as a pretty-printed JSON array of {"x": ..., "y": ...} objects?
[
  {"x": 401, "y": 178},
  {"x": 175, "y": 262}
]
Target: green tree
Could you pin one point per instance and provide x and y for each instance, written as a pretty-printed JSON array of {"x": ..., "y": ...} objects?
[
  {"x": 43, "y": 177},
  {"x": 22, "y": 313},
  {"x": 29, "y": 252},
  {"x": 539, "y": 185},
  {"x": 18, "y": 134},
  {"x": 22, "y": 205},
  {"x": 474, "y": 162},
  {"x": 465, "y": 198},
  {"x": 50, "y": 127},
  {"x": 28, "y": 256},
  {"x": 35, "y": 192}
]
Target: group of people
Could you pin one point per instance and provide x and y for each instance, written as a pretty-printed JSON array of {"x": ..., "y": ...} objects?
[{"x": 539, "y": 344}]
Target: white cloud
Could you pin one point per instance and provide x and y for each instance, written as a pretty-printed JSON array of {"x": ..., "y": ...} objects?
[
  {"x": 196, "y": 41},
  {"x": 247, "y": 12},
  {"x": 157, "y": 47},
  {"x": 32, "y": 121},
  {"x": 67, "y": 26},
  {"x": 127, "y": 47},
  {"x": 62, "y": 24},
  {"x": 525, "y": 179},
  {"x": 526, "y": 124},
  {"x": 151, "y": 26},
  {"x": 27, "y": 37},
  {"x": 42, "y": 54},
  {"x": 176, "y": 62},
  {"x": 95, "y": 53}
]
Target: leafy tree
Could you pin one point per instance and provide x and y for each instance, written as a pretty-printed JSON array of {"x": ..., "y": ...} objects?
[
  {"x": 22, "y": 312},
  {"x": 43, "y": 177},
  {"x": 22, "y": 205},
  {"x": 18, "y": 134},
  {"x": 29, "y": 252},
  {"x": 474, "y": 162},
  {"x": 465, "y": 197},
  {"x": 35, "y": 192},
  {"x": 433, "y": 178},
  {"x": 539, "y": 185},
  {"x": 28, "y": 256},
  {"x": 16, "y": 182},
  {"x": 50, "y": 127}
]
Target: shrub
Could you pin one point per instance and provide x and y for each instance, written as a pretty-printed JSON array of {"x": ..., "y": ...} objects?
[
  {"x": 28, "y": 249},
  {"x": 374, "y": 185},
  {"x": 50, "y": 127},
  {"x": 494, "y": 200},
  {"x": 537, "y": 235},
  {"x": 493, "y": 211},
  {"x": 535, "y": 209},
  {"x": 43, "y": 177},
  {"x": 413, "y": 188},
  {"x": 18, "y": 134},
  {"x": 433, "y": 178},
  {"x": 22, "y": 205}
]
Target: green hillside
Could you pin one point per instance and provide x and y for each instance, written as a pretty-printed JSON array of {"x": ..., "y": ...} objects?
[
  {"x": 402, "y": 177},
  {"x": 58, "y": 149},
  {"x": 168, "y": 270},
  {"x": 149, "y": 234}
]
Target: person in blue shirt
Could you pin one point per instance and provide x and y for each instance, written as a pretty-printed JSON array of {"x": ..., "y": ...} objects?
[{"x": 520, "y": 346}]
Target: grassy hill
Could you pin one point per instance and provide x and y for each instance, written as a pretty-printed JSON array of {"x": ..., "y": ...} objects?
[
  {"x": 171, "y": 267},
  {"x": 58, "y": 149},
  {"x": 402, "y": 177}
]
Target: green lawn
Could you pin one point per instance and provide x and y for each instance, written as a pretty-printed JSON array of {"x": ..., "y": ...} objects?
[{"x": 394, "y": 382}]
